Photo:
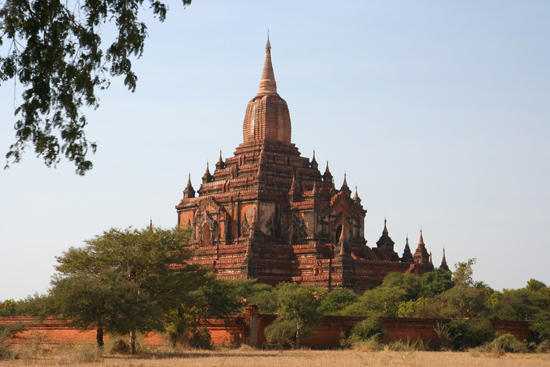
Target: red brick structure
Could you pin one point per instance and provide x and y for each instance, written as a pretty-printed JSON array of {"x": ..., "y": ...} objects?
[
  {"x": 269, "y": 213},
  {"x": 249, "y": 329}
]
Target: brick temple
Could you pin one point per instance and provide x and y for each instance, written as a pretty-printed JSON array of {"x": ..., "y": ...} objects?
[{"x": 269, "y": 213}]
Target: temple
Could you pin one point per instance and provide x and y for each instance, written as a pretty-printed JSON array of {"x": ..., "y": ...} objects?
[{"x": 270, "y": 214}]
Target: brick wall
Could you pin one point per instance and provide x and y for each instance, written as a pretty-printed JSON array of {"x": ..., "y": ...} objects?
[{"x": 249, "y": 328}]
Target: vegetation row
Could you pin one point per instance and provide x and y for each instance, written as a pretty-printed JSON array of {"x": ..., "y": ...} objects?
[{"x": 124, "y": 282}]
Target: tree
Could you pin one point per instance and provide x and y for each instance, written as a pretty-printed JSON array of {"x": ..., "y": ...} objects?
[
  {"x": 125, "y": 281},
  {"x": 337, "y": 300},
  {"x": 55, "y": 52},
  {"x": 8, "y": 308},
  {"x": 518, "y": 304},
  {"x": 463, "y": 275},
  {"x": 534, "y": 285},
  {"x": 465, "y": 302},
  {"x": 381, "y": 301},
  {"x": 435, "y": 282},
  {"x": 297, "y": 308}
]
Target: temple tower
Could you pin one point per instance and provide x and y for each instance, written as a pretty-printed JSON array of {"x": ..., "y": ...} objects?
[{"x": 268, "y": 213}]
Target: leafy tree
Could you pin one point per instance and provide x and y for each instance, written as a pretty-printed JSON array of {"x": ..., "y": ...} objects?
[
  {"x": 461, "y": 302},
  {"x": 263, "y": 296},
  {"x": 125, "y": 281},
  {"x": 435, "y": 282},
  {"x": 91, "y": 302},
  {"x": 518, "y": 304},
  {"x": 463, "y": 275},
  {"x": 297, "y": 308},
  {"x": 216, "y": 298},
  {"x": 411, "y": 284},
  {"x": 8, "y": 308},
  {"x": 56, "y": 53},
  {"x": 411, "y": 307},
  {"x": 534, "y": 285},
  {"x": 541, "y": 326},
  {"x": 381, "y": 301},
  {"x": 337, "y": 300}
]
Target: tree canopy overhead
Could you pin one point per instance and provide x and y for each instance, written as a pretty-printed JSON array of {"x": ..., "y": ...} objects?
[{"x": 54, "y": 50}]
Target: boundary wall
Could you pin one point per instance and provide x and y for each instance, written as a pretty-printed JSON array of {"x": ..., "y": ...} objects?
[{"x": 248, "y": 328}]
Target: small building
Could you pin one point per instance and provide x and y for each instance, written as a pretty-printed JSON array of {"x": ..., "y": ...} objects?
[{"x": 269, "y": 213}]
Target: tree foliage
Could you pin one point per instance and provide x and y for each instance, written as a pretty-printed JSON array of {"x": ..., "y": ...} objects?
[
  {"x": 124, "y": 281},
  {"x": 337, "y": 300},
  {"x": 56, "y": 51},
  {"x": 297, "y": 309}
]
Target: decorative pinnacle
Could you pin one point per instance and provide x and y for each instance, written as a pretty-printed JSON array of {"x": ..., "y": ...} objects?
[
  {"x": 421, "y": 240},
  {"x": 267, "y": 82}
]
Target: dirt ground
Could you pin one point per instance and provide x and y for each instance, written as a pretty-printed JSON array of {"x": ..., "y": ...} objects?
[{"x": 289, "y": 358}]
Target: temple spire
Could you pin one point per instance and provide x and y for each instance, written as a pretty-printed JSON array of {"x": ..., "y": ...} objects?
[
  {"x": 189, "y": 192},
  {"x": 313, "y": 163},
  {"x": 267, "y": 83},
  {"x": 207, "y": 177},
  {"x": 421, "y": 240},
  {"x": 327, "y": 176},
  {"x": 444, "y": 265},
  {"x": 345, "y": 187},
  {"x": 356, "y": 197}
]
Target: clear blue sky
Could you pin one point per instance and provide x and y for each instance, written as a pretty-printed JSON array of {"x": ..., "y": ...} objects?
[{"x": 438, "y": 111}]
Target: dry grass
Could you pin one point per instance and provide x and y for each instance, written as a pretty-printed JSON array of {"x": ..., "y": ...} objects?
[{"x": 245, "y": 356}]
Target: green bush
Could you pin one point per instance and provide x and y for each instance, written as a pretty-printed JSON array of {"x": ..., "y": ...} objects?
[
  {"x": 506, "y": 343},
  {"x": 365, "y": 335},
  {"x": 368, "y": 328},
  {"x": 200, "y": 339},
  {"x": 445, "y": 338},
  {"x": 280, "y": 332},
  {"x": 467, "y": 333},
  {"x": 543, "y": 347}
]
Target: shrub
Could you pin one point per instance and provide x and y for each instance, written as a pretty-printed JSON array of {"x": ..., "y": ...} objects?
[
  {"x": 201, "y": 339},
  {"x": 280, "y": 332},
  {"x": 368, "y": 328},
  {"x": 371, "y": 344},
  {"x": 117, "y": 346},
  {"x": 506, "y": 343},
  {"x": 7, "y": 332},
  {"x": 400, "y": 346},
  {"x": 445, "y": 338},
  {"x": 365, "y": 335},
  {"x": 543, "y": 347},
  {"x": 468, "y": 333},
  {"x": 80, "y": 353}
]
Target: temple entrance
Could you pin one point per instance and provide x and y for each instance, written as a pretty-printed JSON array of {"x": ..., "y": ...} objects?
[
  {"x": 338, "y": 234},
  {"x": 206, "y": 235}
]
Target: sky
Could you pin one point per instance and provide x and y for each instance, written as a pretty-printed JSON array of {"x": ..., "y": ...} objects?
[{"x": 438, "y": 111}]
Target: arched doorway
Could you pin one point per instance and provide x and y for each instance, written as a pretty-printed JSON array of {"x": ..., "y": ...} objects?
[
  {"x": 293, "y": 239},
  {"x": 206, "y": 235},
  {"x": 338, "y": 233}
]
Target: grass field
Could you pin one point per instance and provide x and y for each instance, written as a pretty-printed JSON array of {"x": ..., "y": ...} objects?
[{"x": 244, "y": 357}]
